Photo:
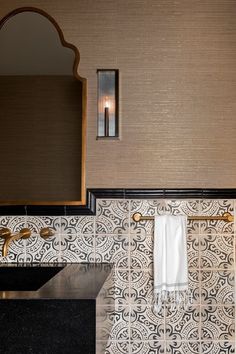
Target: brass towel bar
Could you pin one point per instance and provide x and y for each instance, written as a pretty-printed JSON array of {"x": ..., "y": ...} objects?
[{"x": 227, "y": 217}]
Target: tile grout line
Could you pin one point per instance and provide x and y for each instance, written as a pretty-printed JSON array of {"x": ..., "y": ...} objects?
[
  {"x": 200, "y": 281},
  {"x": 165, "y": 308},
  {"x": 25, "y": 243},
  {"x": 129, "y": 274},
  {"x": 234, "y": 297},
  {"x": 60, "y": 239},
  {"x": 94, "y": 238}
]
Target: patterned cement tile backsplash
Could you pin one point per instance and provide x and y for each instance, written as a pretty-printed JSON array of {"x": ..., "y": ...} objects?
[
  {"x": 146, "y": 324},
  {"x": 141, "y": 289},
  {"x": 217, "y": 322},
  {"x": 183, "y": 325},
  {"x": 193, "y": 250},
  {"x": 112, "y": 217},
  {"x": 176, "y": 347},
  {"x": 113, "y": 249},
  {"x": 40, "y": 250},
  {"x": 217, "y": 287},
  {"x": 216, "y": 207},
  {"x": 35, "y": 224},
  {"x": 141, "y": 251},
  {"x": 77, "y": 248},
  {"x": 207, "y": 327},
  {"x": 83, "y": 225},
  {"x": 218, "y": 347},
  {"x": 217, "y": 251}
]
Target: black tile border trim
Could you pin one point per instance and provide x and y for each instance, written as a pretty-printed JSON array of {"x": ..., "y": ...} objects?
[{"x": 116, "y": 193}]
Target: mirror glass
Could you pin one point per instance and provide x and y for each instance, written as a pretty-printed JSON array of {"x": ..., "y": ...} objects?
[{"x": 42, "y": 122}]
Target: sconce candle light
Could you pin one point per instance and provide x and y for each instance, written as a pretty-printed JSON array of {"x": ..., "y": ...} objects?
[
  {"x": 106, "y": 118},
  {"x": 108, "y": 102}
]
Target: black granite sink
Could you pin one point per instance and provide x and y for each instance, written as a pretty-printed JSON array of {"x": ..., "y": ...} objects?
[
  {"x": 65, "y": 315},
  {"x": 23, "y": 278}
]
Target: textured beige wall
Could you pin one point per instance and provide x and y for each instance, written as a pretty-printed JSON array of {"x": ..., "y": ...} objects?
[{"x": 177, "y": 62}]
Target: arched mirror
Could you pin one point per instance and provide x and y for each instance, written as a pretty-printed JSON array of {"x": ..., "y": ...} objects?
[{"x": 42, "y": 113}]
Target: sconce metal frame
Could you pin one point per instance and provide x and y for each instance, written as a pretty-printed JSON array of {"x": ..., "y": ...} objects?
[{"x": 108, "y": 104}]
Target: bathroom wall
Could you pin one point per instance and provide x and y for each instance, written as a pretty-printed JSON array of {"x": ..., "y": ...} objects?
[
  {"x": 208, "y": 327},
  {"x": 177, "y": 88},
  {"x": 177, "y": 108}
]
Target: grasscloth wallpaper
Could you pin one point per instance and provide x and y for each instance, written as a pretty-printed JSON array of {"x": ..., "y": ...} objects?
[{"x": 177, "y": 62}]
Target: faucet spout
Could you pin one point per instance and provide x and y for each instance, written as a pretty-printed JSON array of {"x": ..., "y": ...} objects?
[{"x": 9, "y": 238}]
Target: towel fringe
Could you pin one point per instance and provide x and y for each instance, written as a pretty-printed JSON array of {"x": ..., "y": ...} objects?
[{"x": 175, "y": 300}]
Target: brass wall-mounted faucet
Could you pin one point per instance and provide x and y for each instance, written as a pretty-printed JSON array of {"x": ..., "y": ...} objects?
[
  {"x": 9, "y": 237},
  {"x": 24, "y": 233}
]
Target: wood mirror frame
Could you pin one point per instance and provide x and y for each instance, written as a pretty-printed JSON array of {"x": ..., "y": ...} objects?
[{"x": 82, "y": 195}]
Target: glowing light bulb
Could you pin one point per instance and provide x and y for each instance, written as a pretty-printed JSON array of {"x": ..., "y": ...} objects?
[
  {"x": 106, "y": 117},
  {"x": 107, "y": 105}
]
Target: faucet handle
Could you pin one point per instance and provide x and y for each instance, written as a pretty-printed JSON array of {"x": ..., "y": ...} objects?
[
  {"x": 25, "y": 233},
  {"x": 5, "y": 232},
  {"x": 46, "y": 232}
]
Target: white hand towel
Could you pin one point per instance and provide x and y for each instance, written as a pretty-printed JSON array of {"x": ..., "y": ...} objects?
[{"x": 170, "y": 261}]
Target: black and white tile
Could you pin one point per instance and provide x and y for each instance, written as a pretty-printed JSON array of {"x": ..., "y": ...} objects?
[
  {"x": 77, "y": 248},
  {"x": 216, "y": 208},
  {"x": 145, "y": 324},
  {"x": 35, "y": 224},
  {"x": 218, "y": 347},
  {"x": 113, "y": 249},
  {"x": 193, "y": 250},
  {"x": 39, "y": 249},
  {"x": 208, "y": 325},
  {"x": 182, "y": 207},
  {"x": 194, "y": 286},
  {"x": 78, "y": 225},
  {"x": 117, "y": 347},
  {"x": 144, "y": 347},
  {"x": 183, "y": 325},
  {"x": 118, "y": 320},
  {"x": 141, "y": 251},
  {"x": 218, "y": 323},
  {"x": 112, "y": 217},
  {"x": 44, "y": 251},
  {"x": 119, "y": 290},
  {"x": 183, "y": 347},
  {"x": 217, "y": 251},
  {"x": 141, "y": 287},
  {"x": 146, "y": 208},
  {"x": 217, "y": 287}
]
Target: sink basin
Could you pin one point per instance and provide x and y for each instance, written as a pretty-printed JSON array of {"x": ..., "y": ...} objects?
[
  {"x": 26, "y": 278},
  {"x": 62, "y": 315}
]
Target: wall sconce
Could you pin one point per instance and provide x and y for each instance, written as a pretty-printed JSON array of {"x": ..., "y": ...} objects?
[{"x": 108, "y": 109}]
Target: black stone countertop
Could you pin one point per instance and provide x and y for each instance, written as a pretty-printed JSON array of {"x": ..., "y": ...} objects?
[{"x": 73, "y": 281}]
